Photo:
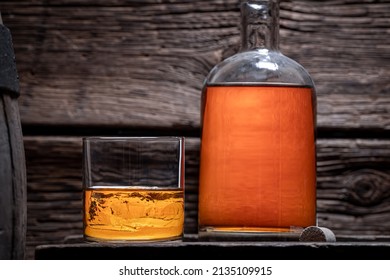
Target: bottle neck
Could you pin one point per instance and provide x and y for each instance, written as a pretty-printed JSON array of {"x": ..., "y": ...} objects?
[{"x": 260, "y": 24}]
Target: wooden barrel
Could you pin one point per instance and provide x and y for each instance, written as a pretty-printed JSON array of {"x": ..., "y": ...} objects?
[{"x": 13, "y": 202}]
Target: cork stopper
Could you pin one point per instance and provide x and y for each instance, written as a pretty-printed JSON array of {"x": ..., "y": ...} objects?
[{"x": 317, "y": 234}]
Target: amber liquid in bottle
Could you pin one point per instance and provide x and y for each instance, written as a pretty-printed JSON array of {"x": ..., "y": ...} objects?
[
  {"x": 133, "y": 214},
  {"x": 258, "y": 158}
]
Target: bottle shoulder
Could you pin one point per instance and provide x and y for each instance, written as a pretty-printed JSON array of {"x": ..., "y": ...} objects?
[{"x": 259, "y": 66}]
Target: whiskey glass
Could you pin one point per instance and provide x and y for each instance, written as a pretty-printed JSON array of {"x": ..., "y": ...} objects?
[{"x": 133, "y": 188}]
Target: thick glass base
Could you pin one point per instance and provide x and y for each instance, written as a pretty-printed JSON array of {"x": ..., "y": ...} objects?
[
  {"x": 249, "y": 234},
  {"x": 131, "y": 239}
]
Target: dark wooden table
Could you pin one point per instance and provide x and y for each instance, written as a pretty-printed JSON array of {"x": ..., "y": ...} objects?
[{"x": 347, "y": 248}]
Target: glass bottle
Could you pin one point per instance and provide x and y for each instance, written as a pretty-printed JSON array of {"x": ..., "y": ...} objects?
[{"x": 258, "y": 133}]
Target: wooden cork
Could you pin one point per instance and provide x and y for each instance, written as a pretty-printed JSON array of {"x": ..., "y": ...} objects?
[{"x": 317, "y": 234}]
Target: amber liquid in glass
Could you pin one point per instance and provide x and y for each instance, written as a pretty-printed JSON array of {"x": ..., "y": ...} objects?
[
  {"x": 258, "y": 158},
  {"x": 133, "y": 214}
]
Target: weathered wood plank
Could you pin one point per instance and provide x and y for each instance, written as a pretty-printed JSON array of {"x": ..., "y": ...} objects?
[
  {"x": 353, "y": 187},
  {"x": 13, "y": 185},
  {"x": 17, "y": 181},
  {"x": 12, "y": 159},
  {"x": 142, "y": 63},
  {"x": 218, "y": 251}
]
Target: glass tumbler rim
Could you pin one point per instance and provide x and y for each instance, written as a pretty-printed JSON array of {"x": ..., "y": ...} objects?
[{"x": 131, "y": 138}]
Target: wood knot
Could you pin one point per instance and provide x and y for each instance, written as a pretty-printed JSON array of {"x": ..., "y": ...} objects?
[
  {"x": 317, "y": 234},
  {"x": 367, "y": 187}
]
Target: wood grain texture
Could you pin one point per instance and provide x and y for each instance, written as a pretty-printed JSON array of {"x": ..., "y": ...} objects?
[
  {"x": 13, "y": 185},
  {"x": 6, "y": 191},
  {"x": 142, "y": 63},
  {"x": 218, "y": 251},
  {"x": 353, "y": 187}
]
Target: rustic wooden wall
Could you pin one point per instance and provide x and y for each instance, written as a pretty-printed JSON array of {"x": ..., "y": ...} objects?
[{"x": 116, "y": 67}]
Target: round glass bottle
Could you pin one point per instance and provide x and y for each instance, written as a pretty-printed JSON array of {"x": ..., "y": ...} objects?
[{"x": 258, "y": 152}]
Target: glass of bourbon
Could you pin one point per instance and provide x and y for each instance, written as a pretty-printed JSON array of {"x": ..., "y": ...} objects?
[{"x": 133, "y": 188}]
